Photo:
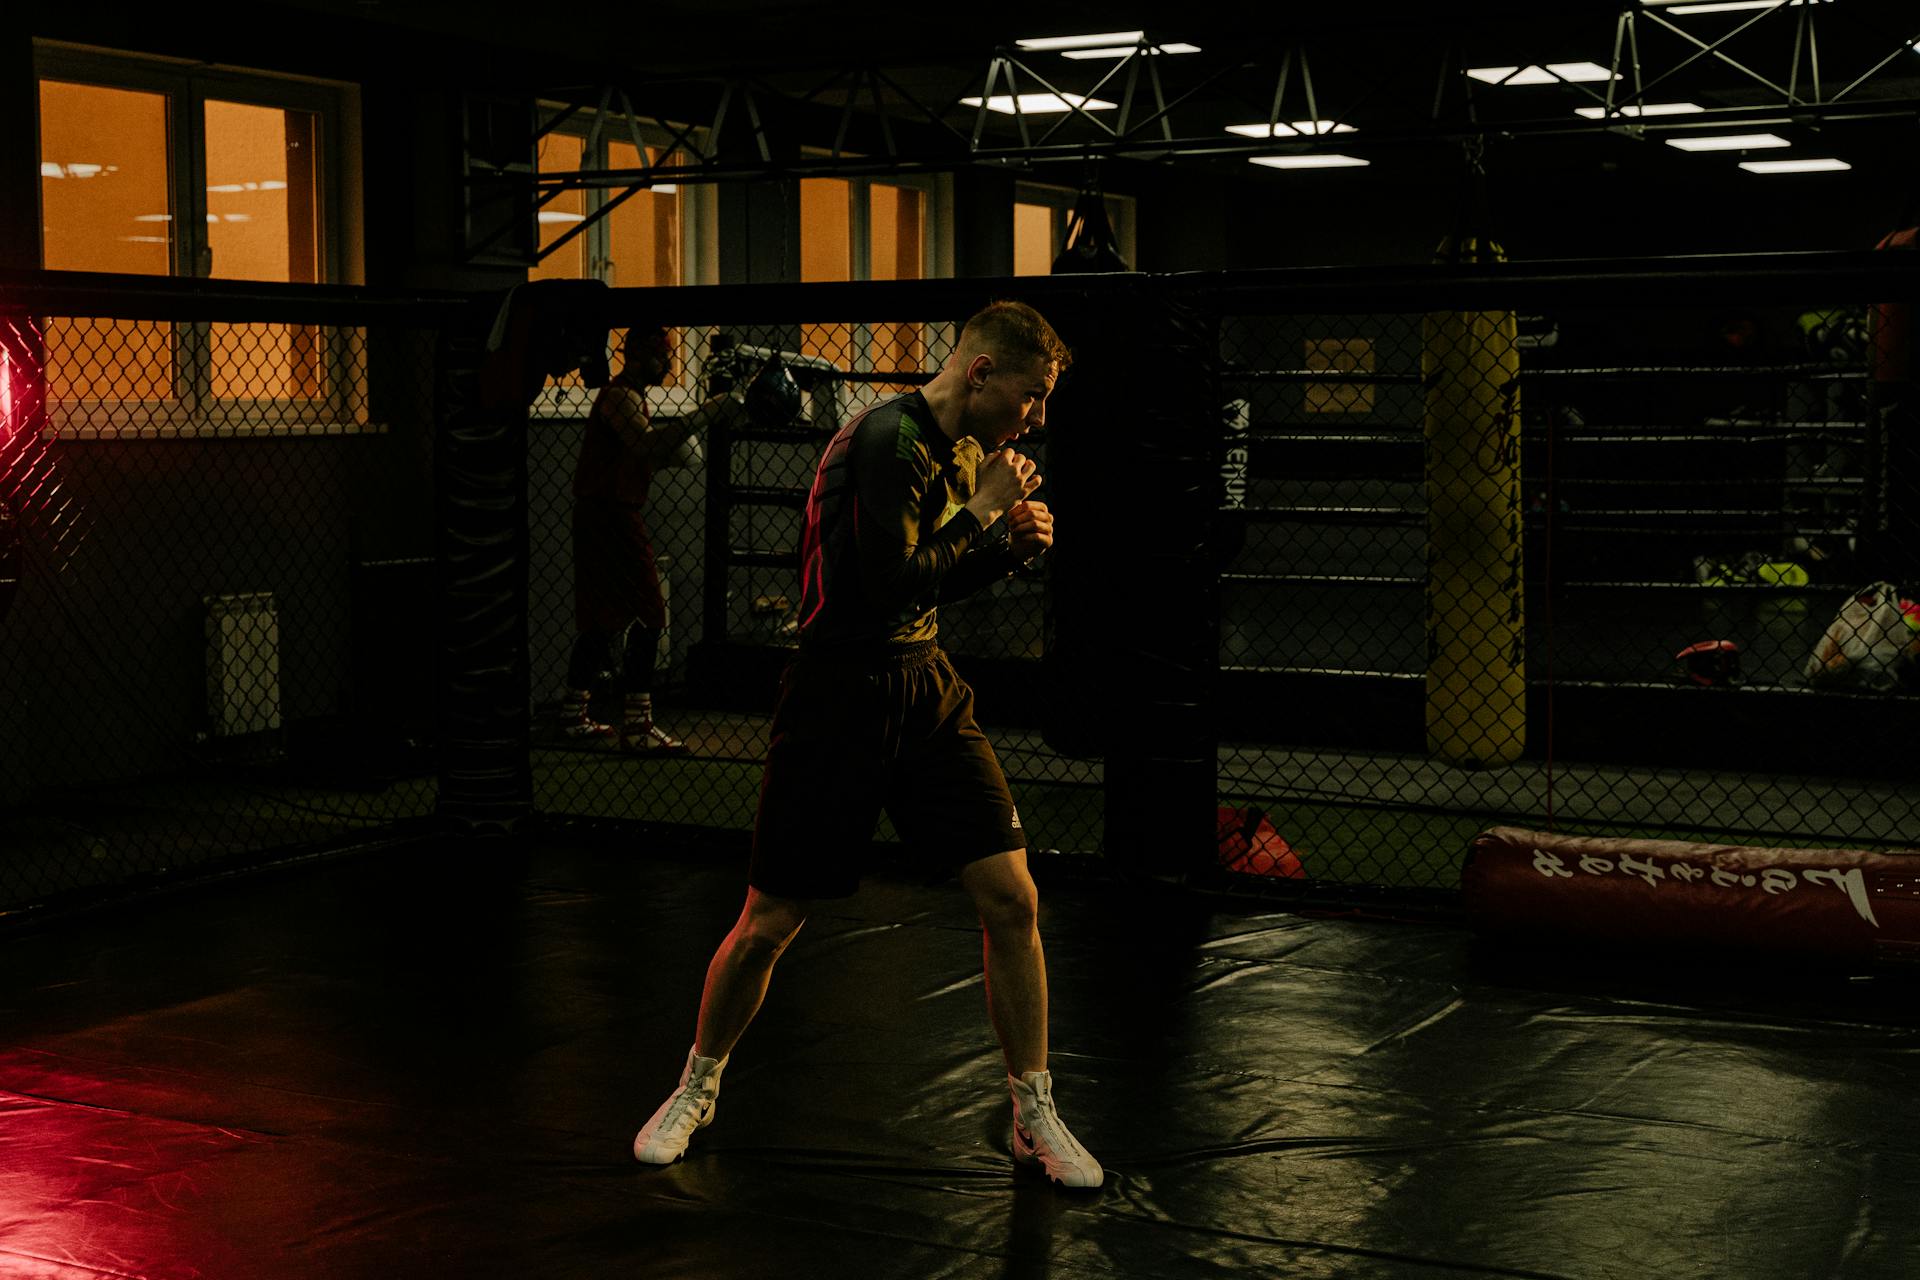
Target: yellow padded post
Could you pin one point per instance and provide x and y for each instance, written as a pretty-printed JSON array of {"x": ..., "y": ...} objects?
[{"x": 1476, "y": 638}]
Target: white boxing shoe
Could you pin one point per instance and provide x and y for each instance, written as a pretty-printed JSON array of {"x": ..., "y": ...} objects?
[
  {"x": 691, "y": 1106},
  {"x": 1041, "y": 1137}
]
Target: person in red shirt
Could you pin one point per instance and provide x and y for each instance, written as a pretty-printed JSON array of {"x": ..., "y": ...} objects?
[{"x": 619, "y": 609}]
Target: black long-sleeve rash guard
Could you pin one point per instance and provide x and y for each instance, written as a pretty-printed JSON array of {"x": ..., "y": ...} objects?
[{"x": 888, "y": 537}]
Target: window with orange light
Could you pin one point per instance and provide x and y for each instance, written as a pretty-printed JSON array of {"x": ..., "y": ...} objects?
[
  {"x": 637, "y": 236},
  {"x": 896, "y": 231},
  {"x": 1033, "y": 239},
  {"x": 263, "y": 223},
  {"x": 826, "y": 254},
  {"x": 146, "y": 170},
  {"x": 864, "y": 229},
  {"x": 563, "y": 251},
  {"x": 106, "y": 205}
]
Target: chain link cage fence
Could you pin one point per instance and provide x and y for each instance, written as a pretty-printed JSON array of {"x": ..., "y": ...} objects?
[
  {"x": 1610, "y": 551},
  {"x": 215, "y": 581},
  {"x": 1598, "y": 556},
  {"x": 716, "y": 524}
]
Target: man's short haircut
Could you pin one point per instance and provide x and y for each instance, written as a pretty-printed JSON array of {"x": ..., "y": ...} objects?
[{"x": 1015, "y": 331}]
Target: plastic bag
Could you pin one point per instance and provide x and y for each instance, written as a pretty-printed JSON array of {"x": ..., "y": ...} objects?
[{"x": 1871, "y": 642}]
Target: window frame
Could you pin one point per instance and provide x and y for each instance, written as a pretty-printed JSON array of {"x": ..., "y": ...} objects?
[
  {"x": 860, "y": 220},
  {"x": 699, "y": 241},
  {"x": 697, "y": 216},
  {"x": 936, "y": 246},
  {"x": 936, "y": 252},
  {"x": 194, "y": 412}
]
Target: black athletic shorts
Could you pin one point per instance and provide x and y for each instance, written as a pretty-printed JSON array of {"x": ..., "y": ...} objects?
[{"x": 853, "y": 736}]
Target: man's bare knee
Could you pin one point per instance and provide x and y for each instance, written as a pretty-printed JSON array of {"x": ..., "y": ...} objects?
[
  {"x": 768, "y": 924},
  {"x": 1008, "y": 904}
]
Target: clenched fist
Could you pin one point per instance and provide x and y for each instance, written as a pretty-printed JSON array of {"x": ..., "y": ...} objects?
[
  {"x": 1002, "y": 480},
  {"x": 1029, "y": 529}
]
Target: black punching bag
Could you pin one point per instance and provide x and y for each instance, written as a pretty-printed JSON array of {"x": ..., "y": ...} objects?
[{"x": 1090, "y": 244}]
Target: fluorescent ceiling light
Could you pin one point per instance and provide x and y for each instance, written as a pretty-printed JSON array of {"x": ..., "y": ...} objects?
[
  {"x": 1288, "y": 130},
  {"x": 1310, "y": 162},
  {"x": 1551, "y": 73},
  {"x": 1036, "y": 104},
  {"x": 1729, "y": 142},
  {"x": 1083, "y": 42},
  {"x": 1121, "y": 51},
  {"x": 52, "y": 169},
  {"x": 1731, "y": 6},
  {"x": 1825, "y": 165},
  {"x": 1726, "y": 6},
  {"x": 1579, "y": 72},
  {"x": 1650, "y": 109},
  {"x": 549, "y": 216}
]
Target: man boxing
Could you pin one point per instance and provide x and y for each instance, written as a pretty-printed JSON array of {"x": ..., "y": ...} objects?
[
  {"x": 619, "y": 608},
  {"x": 872, "y": 715}
]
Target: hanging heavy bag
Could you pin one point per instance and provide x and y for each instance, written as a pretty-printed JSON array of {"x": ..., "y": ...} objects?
[
  {"x": 1091, "y": 245},
  {"x": 773, "y": 398},
  {"x": 1871, "y": 642}
]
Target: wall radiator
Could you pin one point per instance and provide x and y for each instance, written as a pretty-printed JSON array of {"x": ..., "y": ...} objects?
[{"x": 243, "y": 664}]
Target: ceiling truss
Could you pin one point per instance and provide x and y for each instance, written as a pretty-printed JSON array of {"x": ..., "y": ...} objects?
[{"x": 902, "y": 133}]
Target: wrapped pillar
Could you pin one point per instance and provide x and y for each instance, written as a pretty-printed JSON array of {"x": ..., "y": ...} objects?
[
  {"x": 1133, "y": 636},
  {"x": 487, "y": 381},
  {"x": 1890, "y": 536},
  {"x": 1476, "y": 703}
]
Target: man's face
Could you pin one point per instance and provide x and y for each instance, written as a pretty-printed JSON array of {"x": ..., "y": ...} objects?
[
  {"x": 1011, "y": 398},
  {"x": 649, "y": 354}
]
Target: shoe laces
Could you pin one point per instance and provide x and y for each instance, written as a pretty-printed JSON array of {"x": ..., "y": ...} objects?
[
  {"x": 1050, "y": 1131},
  {"x": 1044, "y": 1127},
  {"x": 689, "y": 1102}
]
